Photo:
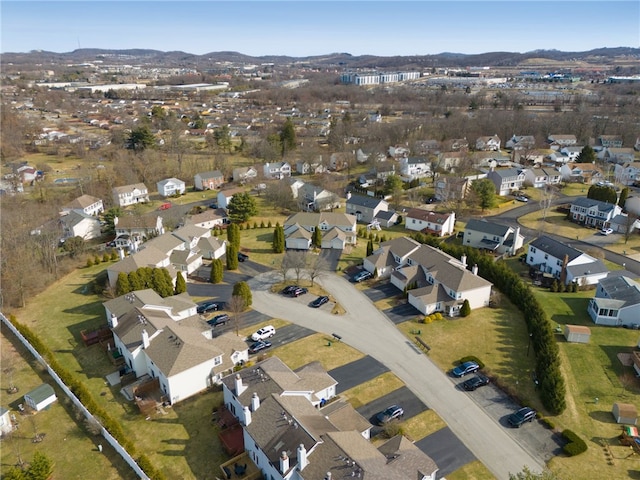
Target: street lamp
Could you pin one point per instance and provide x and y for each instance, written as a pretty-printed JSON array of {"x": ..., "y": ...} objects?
[{"x": 529, "y": 344}]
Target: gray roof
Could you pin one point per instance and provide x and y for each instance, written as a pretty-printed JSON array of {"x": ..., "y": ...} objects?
[
  {"x": 386, "y": 214},
  {"x": 487, "y": 227},
  {"x": 555, "y": 248},
  {"x": 41, "y": 393},
  {"x": 622, "y": 289},
  {"x": 212, "y": 174},
  {"x": 590, "y": 202},
  {"x": 365, "y": 201},
  {"x": 83, "y": 202},
  {"x": 587, "y": 269}
]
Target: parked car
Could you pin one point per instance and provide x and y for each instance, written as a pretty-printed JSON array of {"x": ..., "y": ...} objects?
[
  {"x": 242, "y": 257},
  {"x": 264, "y": 332},
  {"x": 523, "y": 415},
  {"x": 299, "y": 291},
  {"x": 289, "y": 289},
  {"x": 165, "y": 206},
  {"x": 361, "y": 276},
  {"x": 206, "y": 307},
  {"x": 465, "y": 369},
  {"x": 213, "y": 205},
  {"x": 221, "y": 319},
  {"x": 391, "y": 413},
  {"x": 521, "y": 198},
  {"x": 318, "y": 302},
  {"x": 475, "y": 382},
  {"x": 606, "y": 231},
  {"x": 258, "y": 346}
]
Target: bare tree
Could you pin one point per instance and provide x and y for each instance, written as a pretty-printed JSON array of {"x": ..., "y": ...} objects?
[
  {"x": 236, "y": 306},
  {"x": 318, "y": 267},
  {"x": 296, "y": 260},
  {"x": 630, "y": 225},
  {"x": 549, "y": 193},
  {"x": 9, "y": 366}
]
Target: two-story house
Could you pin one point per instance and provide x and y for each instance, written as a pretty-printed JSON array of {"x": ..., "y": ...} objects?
[
  {"x": 171, "y": 186},
  {"x": 130, "y": 194},
  {"x": 87, "y": 204},
  {"x": 432, "y": 223},
  {"x": 244, "y": 174},
  {"x": 452, "y": 189},
  {"x": 76, "y": 223},
  {"x": 208, "y": 180},
  {"x": 593, "y": 213},
  {"x": 490, "y": 143},
  {"x": 542, "y": 177},
  {"x": 610, "y": 141},
  {"x": 616, "y": 302},
  {"x": 619, "y": 155},
  {"x": 164, "y": 340},
  {"x": 565, "y": 263},
  {"x": 507, "y": 180},
  {"x": 276, "y": 170},
  {"x": 558, "y": 141},
  {"x": 627, "y": 173},
  {"x": 580, "y": 173},
  {"x": 338, "y": 230},
  {"x": 521, "y": 142},
  {"x": 492, "y": 236},
  {"x": 415, "y": 167},
  {"x": 312, "y": 198},
  {"x": 364, "y": 207},
  {"x": 225, "y": 196}
]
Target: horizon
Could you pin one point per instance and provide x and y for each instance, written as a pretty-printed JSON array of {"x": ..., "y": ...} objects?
[{"x": 313, "y": 28}]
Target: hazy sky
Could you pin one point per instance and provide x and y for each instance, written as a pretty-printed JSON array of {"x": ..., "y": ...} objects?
[{"x": 300, "y": 28}]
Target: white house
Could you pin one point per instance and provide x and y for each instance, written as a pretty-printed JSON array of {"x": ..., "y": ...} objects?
[
  {"x": 364, "y": 207},
  {"x": 312, "y": 198},
  {"x": 338, "y": 230},
  {"x": 133, "y": 230},
  {"x": 292, "y": 431},
  {"x": 40, "y": 397},
  {"x": 627, "y": 173},
  {"x": 225, "y": 196},
  {"x": 276, "y": 170},
  {"x": 76, "y": 223},
  {"x": 171, "y": 186},
  {"x": 507, "y": 180},
  {"x": 426, "y": 221},
  {"x": 87, "y": 204},
  {"x": 521, "y": 142},
  {"x": 415, "y": 167},
  {"x": 593, "y": 213},
  {"x": 244, "y": 174},
  {"x": 130, "y": 194},
  {"x": 210, "y": 218},
  {"x": 558, "y": 141},
  {"x": 616, "y": 302},
  {"x": 619, "y": 155},
  {"x": 565, "y": 263},
  {"x": 541, "y": 177},
  {"x": 165, "y": 339},
  {"x": 491, "y": 143},
  {"x": 492, "y": 236},
  {"x": 6, "y": 425}
]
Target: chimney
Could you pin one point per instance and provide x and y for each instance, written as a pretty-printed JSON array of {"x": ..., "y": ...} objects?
[
  {"x": 515, "y": 240},
  {"x": 247, "y": 415},
  {"x": 113, "y": 321},
  {"x": 463, "y": 259},
  {"x": 284, "y": 463},
  {"x": 302, "y": 457},
  {"x": 474, "y": 269},
  {"x": 255, "y": 402},
  {"x": 145, "y": 339},
  {"x": 239, "y": 386}
]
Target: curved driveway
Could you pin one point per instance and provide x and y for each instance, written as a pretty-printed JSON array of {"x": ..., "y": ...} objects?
[{"x": 367, "y": 329}]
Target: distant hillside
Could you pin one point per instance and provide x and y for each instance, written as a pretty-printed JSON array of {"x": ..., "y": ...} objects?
[{"x": 344, "y": 60}]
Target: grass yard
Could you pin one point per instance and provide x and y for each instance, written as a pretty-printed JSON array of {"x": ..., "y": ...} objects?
[
  {"x": 375, "y": 388},
  {"x": 556, "y": 223},
  {"x": 471, "y": 471},
  {"x": 422, "y": 425},
  {"x": 316, "y": 347}
]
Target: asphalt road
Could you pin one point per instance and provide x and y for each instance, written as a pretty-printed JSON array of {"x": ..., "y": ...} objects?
[{"x": 371, "y": 332}]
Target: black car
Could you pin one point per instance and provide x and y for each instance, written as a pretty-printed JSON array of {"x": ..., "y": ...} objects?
[
  {"x": 219, "y": 320},
  {"x": 289, "y": 289},
  {"x": 258, "y": 346},
  {"x": 299, "y": 291},
  {"x": 318, "y": 302},
  {"x": 391, "y": 413},
  {"x": 207, "y": 307},
  {"x": 523, "y": 415},
  {"x": 464, "y": 369},
  {"x": 475, "y": 382},
  {"x": 242, "y": 257},
  {"x": 361, "y": 276}
]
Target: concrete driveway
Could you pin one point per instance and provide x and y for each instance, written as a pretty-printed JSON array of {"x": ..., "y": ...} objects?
[
  {"x": 368, "y": 330},
  {"x": 355, "y": 373}
]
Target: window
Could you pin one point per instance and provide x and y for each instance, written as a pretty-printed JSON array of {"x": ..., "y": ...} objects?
[
  {"x": 533, "y": 250},
  {"x": 217, "y": 360}
]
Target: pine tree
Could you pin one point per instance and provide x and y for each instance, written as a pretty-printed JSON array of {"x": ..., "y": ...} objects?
[
  {"x": 161, "y": 286},
  {"x": 316, "y": 238},
  {"x": 465, "y": 311},
  {"x": 242, "y": 289},
  {"x": 278, "y": 239},
  {"x": 369, "y": 247},
  {"x": 233, "y": 235},
  {"x": 181, "y": 284},
  {"x": 41, "y": 467},
  {"x": 135, "y": 281},
  {"x": 217, "y": 271},
  {"x": 122, "y": 284},
  {"x": 232, "y": 257}
]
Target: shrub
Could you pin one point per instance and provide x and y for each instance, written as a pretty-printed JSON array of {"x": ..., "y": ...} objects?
[
  {"x": 427, "y": 320},
  {"x": 547, "y": 422},
  {"x": 438, "y": 316},
  {"x": 392, "y": 428},
  {"x": 576, "y": 445},
  {"x": 471, "y": 358},
  {"x": 269, "y": 224},
  {"x": 106, "y": 257},
  {"x": 465, "y": 311},
  {"x": 262, "y": 224},
  {"x": 96, "y": 260}
]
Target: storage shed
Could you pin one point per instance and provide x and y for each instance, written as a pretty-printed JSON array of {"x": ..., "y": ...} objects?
[
  {"x": 625, "y": 413},
  {"x": 6, "y": 425},
  {"x": 40, "y": 397},
  {"x": 577, "y": 333}
]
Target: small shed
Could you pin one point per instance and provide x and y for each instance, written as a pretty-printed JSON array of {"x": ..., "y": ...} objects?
[
  {"x": 6, "y": 426},
  {"x": 625, "y": 413},
  {"x": 577, "y": 333},
  {"x": 40, "y": 397}
]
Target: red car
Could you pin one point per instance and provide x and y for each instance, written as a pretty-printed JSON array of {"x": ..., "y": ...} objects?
[{"x": 165, "y": 206}]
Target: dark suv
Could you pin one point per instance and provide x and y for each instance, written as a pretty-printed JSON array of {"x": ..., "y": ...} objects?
[
  {"x": 523, "y": 415},
  {"x": 219, "y": 320},
  {"x": 299, "y": 291}
]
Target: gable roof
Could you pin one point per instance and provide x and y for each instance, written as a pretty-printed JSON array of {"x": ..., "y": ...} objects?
[
  {"x": 41, "y": 393},
  {"x": 485, "y": 226},
  {"x": 82, "y": 202},
  {"x": 622, "y": 290},
  {"x": 428, "y": 215},
  {"x": 590, "y": 203},
  {"x": 210, "y": 175},
  {"x": 555, "y": 248},
  {"x": 365, "y": 201},
  {"x": 130, "y": 188}
]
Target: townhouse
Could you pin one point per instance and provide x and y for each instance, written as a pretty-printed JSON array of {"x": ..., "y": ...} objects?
[
  {"x": 495, "y": 237},
  {"x": 542, "y": 177},
  {"x": 338, "y": 230}
]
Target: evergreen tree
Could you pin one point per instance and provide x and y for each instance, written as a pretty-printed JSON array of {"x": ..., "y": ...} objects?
[
  {"x": 41, "y": 467},
  {"x": 288, "y": 137},
  {"x": 135, "y": 281},
  {"x": 232, "y": 257},
  {"x": 146, "y": 276},
  {"x": 316, "y": 238},
  {"x": 181, "y": 284},
  {"x": 233, "y": 235},
  {"x": 624, "y": 194},
  {"x": 140, "y": 139},
  {"x": 465, "y": 311},
  {"x": 369, "y": 247},
  {"x": 161, "y": 286},
  {"x": 122, "y": 284},
  {"x": 278, "y": 239},
  {"x": 587, "y": 155},
  {"x": 217, "y": 271},
  {"x": 485, "y": 191},
  {"x": 242, "y": 289},
  {"x": 242, "y": 207}
]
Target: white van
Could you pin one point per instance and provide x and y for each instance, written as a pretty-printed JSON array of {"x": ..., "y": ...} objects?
[{"x": 264, "y": 332}]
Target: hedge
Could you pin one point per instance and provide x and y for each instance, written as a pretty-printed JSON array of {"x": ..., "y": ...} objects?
[{"x": 576, "y": 445}]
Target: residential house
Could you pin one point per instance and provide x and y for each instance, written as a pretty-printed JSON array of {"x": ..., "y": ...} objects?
[
  {"x": 276, "y": 170},
  {"x": 415, "y": 167},
  {"x": 165, "y": 340},
  {"x": 130, "y": 195},
  {"x": 624, "y": 223},
  {"x": 542, "y": 177},
  {"x": 521, "y": 142},
  {"x": 384, "y": 170},
  {"x": 449, "y": 160},
  {"x": 132, "y": 230},
  {"x": 6, "y": 424},
  {"x": 338, "y": 230},
  {"x": 491, "y": 143},
  {"x": 315, "y": 438},
  {"x": 210, "y": 218},
  {"x": 76, "y": 223},
  {"x": 295, "y": 184},
  {"x": 565, "y": 263},
  {"x": 87, "y": 204},
  {"x": 244, "y": 174},
  {"x": 309, "y": 168},
  {"x": 593, "y": 213},
  {"x": 340, "y": 161},
  {"x": 571, "y": 153},
  {"x": 452, "y": 189},
  {"x": 507, "y": 180},
  {"x": 456, "y": 144},
  {"x": 627, "y": 173},
  {"x": 171, "y": 186},
  {"x": 364, "y": 207},
  {"x": 616, "y": 302},
  {"x": 580, "y": 173},
  {"x": 398, "y": 151},
  {"x": 225, "y": 196},
  {"x": 619, "y": 155},
  {"x": 558, "y": 141},
  {"x": 426, "y": 147},
  {"x": 208, "y": 180},
  {"x": 527, "y": 157},
  {"x": 40, "y": 397},
  {"x": 492, "y": 236},
  {"x": 426, "y": 221},
  {"x": 610, "y": 141},
  {"x": 314, "y": 199}
]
